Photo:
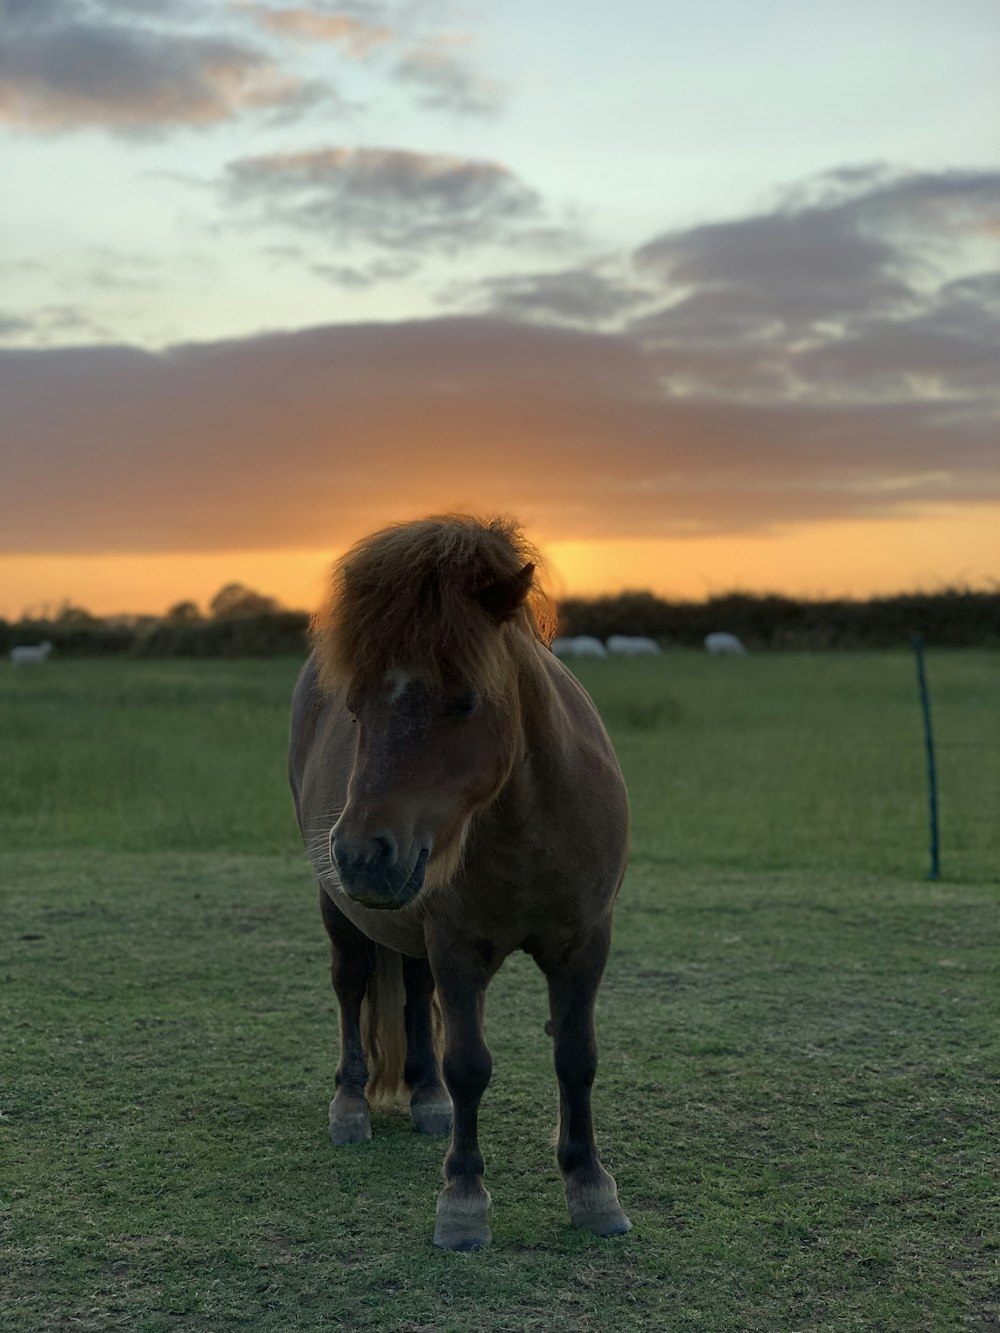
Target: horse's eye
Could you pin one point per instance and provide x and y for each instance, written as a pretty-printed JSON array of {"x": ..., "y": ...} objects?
[{"x": 462, "y": 706}]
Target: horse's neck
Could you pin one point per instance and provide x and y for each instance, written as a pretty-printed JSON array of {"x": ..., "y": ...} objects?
[
  {"x": 555, "y": 715},
  {"x": 565, "y": 792}
]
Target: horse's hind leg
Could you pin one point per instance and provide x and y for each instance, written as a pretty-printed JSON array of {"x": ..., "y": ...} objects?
[
  {"x": 350, "y": 966},
  {"x": 430, "y": 1105},
  {"x": 591, "y": 1193}
]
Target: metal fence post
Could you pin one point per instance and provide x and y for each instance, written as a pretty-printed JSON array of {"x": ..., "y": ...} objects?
[{"x": 918, "y": 649}]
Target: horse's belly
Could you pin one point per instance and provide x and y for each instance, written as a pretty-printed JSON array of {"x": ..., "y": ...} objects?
[{"x": 402, "y": 931}]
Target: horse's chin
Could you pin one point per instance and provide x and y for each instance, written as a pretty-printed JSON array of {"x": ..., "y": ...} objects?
[{"x": 392, "y": 899}]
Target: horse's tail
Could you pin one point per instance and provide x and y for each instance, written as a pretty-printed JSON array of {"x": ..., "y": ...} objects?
[{"x": 383, "y": 1028}]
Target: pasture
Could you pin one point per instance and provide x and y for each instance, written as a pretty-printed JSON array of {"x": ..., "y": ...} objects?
[{"x": 800, "y": 1036}]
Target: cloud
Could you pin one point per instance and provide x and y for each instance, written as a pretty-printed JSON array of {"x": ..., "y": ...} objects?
[
  {"x": 848, "y": 237},
  {"x": 832, "y": 359},
  {"x": 358, "y": 36},
  {"x": 389, "y": 267},
  {"x": 387, "y": 196},
  {"x": 860, "y": 285},
  {"x": 951, "y": 347},
  {"x": 311, "y": 438},
  {"x": 795, "y": 267},
  {"x": 15, "y": 326},
  {"x": 444, "y": 81},
  {"x": 360, "y": 277},
  {"x": 145, "y": 66},
  {"x": 69, "y": 64},
  {"x": 433, "y": 66},
  {"x": 847, "y": 288},
  {"x": 50, "y": 323},
  {"x": 116, "y": 270},
  {"x": 574, "y": 296}
]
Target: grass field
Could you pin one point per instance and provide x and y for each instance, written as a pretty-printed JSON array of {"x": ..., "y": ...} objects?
[{"x": 800, "y": 1076}]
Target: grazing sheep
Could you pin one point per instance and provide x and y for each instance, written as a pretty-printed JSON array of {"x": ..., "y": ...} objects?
[
  {"x": 624, "y": 645},
  {"x": 26, "y": 653},
  {"x": 582, "y": 646},
  {"x": 724, "y": 645}
]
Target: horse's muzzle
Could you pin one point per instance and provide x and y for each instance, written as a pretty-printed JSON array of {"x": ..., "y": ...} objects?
[{"x": 372, "y": 872}]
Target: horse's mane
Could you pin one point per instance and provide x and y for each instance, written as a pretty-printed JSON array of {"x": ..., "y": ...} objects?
[{"x": 417, "y": 596}]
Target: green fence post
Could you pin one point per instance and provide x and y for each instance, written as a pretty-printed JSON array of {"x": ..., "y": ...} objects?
[{"x": 918, "y": 649}]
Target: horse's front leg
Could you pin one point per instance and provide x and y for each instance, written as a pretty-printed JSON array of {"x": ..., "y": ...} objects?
[
  {"x": 591, "y": 1193},
  {"x": 429, "y": 1103},
  {"x": 350, "y": 966},
  {"x": 461, "y": 975}
]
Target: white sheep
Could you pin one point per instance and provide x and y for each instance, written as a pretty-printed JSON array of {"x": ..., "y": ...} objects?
[
  {"x": 724, "y": 645},
  {"x": 582, "y": 646},
  {"x": 27, "y": 653},
  {"x": 624, "y": 645}
]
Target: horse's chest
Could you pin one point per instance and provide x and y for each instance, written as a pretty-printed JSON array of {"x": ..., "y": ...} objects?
[{"x": 527, "y": 897}]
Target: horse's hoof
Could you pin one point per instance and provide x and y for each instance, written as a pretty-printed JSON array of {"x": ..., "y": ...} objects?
[
  {"x": 350, "y": 1121},
  {"x": 595, "y": 1208},
  {"x": 461, "y": 1244},
  {"x": 612, "y": 1222},
  {"x": 432, "y": 1117},
  {"x": 462, "y": 1222}
]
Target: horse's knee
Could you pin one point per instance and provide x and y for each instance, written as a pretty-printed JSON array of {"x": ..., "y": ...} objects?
[
  {"x": 467, "y": 1072},
  {"x": 576, "y": 1062}
]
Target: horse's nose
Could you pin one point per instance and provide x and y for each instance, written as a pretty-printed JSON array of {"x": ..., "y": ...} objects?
[
  {"x": 365, "y": 862},
  {"x": 373, "y": 872}
]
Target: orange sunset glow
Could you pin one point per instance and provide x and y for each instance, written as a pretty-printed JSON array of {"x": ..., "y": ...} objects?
[{"x": 874, "y": 557}]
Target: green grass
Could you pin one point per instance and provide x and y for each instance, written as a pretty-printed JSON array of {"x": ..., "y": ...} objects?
[
  {"x": 807, "y": 760},
  {"x": 799, "y": 1081},
  {"x": 144, "y": 755}
]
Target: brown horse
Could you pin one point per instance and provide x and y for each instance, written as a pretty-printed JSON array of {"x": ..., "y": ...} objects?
[{"x": 459, "y": 799}]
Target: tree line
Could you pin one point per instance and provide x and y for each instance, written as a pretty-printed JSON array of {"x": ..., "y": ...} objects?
[
  {"x": 240, "y": 622},
  {"x": 953, "y": 617}
]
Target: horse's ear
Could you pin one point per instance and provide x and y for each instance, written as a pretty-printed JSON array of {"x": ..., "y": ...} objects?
[{"x": 501, "y": 598}]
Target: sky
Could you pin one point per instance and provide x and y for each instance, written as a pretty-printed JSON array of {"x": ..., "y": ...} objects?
[{"x": 707, "y": 296}]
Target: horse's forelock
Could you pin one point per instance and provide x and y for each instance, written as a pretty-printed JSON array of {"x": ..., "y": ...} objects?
[{"x": 413, "y": 596}]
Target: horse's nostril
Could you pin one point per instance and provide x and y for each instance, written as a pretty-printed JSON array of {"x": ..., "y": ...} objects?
[
  {"x": 345, "y": 854},
  {"x": 377, "y": 853},
  {"x": 384, "y": 851}
]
